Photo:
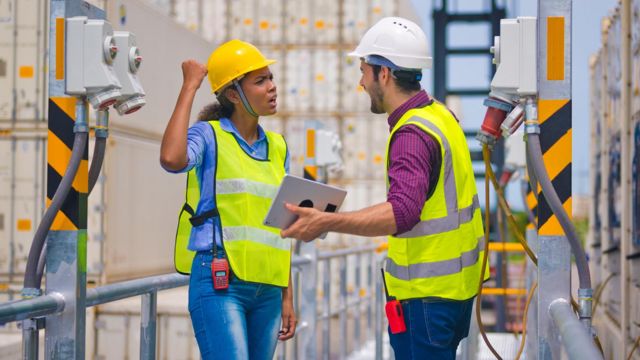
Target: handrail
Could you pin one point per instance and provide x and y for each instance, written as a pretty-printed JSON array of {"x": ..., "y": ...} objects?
[
  {"x": 323, "y": 255},
  {"x": 31, "y": 308},
  {"x": 577, "y": 341},
  {"x": 131, "y": 288},
  {"x": 148, "y": 287}
]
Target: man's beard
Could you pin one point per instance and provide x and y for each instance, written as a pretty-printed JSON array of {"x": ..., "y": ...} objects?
[{"x": 376, "y": 100}]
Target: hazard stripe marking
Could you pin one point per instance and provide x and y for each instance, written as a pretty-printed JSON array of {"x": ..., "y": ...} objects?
[
  {"x": 555, "y": 143},
  {"x": 555, "y": 127},
  {"x": 70, "y": 207},
  {"x": 562, "y": 184},
  {"x": 61, "y": 121}
]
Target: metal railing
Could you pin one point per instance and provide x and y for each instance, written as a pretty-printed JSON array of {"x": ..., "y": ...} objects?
[
  {"x": 577, "y": 341},
  {"x": 305, "y": 268}
]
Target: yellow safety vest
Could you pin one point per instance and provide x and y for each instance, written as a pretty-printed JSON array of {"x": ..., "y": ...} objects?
[
  {"x": 244, "y": 189},
  {"x": 442, "y": 255}
]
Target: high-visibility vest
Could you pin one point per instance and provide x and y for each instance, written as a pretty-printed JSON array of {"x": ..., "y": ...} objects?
[
  {"x": 442, "y": 255},
  {"x": 244, "y": 189}
]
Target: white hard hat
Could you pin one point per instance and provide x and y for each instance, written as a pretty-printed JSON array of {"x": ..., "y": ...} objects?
[{"x": 401, "y": 41}]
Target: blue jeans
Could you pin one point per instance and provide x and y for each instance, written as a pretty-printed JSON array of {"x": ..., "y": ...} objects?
[
  {"x": 241, "y": 322},
  {"x": 434, "y": 328}
]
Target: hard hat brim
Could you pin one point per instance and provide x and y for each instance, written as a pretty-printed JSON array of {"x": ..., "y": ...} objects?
[{"x": 260, "y": 65}]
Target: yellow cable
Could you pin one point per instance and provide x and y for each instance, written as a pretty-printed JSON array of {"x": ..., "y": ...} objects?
[
  {"x": 599, "y": 291},
  {"x": 596, "y": 340},
  {"x": 635, "y": 346},
  {"x": 485, "y": 151},
  {"x": 486, "y": 154},
  {"x": 524, "y": 320}
]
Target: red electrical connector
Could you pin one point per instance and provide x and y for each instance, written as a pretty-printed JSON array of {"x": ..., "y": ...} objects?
[{"x": 497, "y": 111}]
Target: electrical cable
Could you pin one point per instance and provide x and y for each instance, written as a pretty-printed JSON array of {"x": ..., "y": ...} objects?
[
  {"x": 533, "y": 180},
  {"x": 484, "y": 264},
  {"x": 524, "y": 319},
  {"x": 533, "y": 148},
  {"x": 486, "y": 154},
  {"x": 596, "y": 340},
  {"x": 96, "y": 161},
  {"x": 635, "y": 346},
  {"x": 30, "y": 278},
  {"x": 599, "y": 291}
]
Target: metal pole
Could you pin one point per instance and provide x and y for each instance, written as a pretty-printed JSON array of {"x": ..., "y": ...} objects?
[
  {"x": 532, "y": 316},
  {"x": 358, "y": 306},
  {"x": 326, "y": 325},
  {"x": 554, "y": 104},
  {"x": 378, "y": 317},
  {"x": 306, "y": 346},
  {"x": 370, "y": 293},
  {"x": 626, "y": 176},
  {"x": 343, "y": 307},
  {"x": 30, "y": 339},
  {"x": 148, "y": 320},
  {"x": 578, "y": 343}
]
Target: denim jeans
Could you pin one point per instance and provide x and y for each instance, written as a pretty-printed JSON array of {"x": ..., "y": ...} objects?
[
  {"x": 434, "y": 329},
  {"x": 241, "y": 322}
]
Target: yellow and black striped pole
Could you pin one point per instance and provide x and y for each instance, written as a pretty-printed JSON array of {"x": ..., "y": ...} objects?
[
  {"x": 554, "y": 117},
  {"x": 66, "y": 255}
]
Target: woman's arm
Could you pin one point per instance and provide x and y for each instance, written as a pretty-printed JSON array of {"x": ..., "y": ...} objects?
[
  {"x": 173, "y": 150},
  {"x": 289, "y": 321}
]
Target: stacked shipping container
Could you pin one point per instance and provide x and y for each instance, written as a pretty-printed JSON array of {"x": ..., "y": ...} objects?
[
  {"x": 605, "y": 245},
  {"x": 133, "y": 208}
]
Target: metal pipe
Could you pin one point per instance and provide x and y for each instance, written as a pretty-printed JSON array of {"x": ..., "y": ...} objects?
[
  {"x": 625, "y": 175},
  {"x": 122, "y": 290},
  {"x": 578, "y": 343},
  {"x": 148, "y": 314},
  {"x": 31, "y": 308}
]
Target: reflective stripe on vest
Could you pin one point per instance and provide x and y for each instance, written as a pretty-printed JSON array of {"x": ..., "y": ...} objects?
[
  {"x": 244, "y": 189},
  {"x": 440, "y": 256},
  {"x": 437, "y": 268}
]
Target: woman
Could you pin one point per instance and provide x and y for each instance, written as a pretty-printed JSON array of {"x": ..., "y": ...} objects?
[{"x": 234, "y": 170}]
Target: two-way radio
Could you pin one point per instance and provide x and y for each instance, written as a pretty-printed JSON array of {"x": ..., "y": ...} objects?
[{"x": 393, "y": 308}]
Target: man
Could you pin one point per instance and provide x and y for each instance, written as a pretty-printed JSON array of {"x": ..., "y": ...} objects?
[{"x": 431, "y": 214}]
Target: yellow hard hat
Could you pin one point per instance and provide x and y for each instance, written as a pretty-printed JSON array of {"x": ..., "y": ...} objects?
[{"x": 232, "y": 60}]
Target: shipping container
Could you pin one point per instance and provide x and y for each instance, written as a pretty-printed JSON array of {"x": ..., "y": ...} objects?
[
  {"x": 22, "y": 74},
  {"x": 609, "y": 255}
]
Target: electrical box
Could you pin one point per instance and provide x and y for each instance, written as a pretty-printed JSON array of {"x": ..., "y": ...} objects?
[
  {"x": 329, "y": 148},
  {"x": 126, "y": 65},
  {"x": 514, "y": 54},
  {"x": 89, "y": 56}
]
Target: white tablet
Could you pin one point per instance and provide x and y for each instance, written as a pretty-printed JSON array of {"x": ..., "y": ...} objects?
[{"x": 304, "y": 193}]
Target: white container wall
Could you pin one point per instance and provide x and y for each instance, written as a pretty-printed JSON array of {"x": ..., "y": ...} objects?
[
  {"x": 21, "y": 59},
  {"x": 141, "y": 204},
  {"x": 21, "y": 204},
  {"x": 315, "y": 80}
]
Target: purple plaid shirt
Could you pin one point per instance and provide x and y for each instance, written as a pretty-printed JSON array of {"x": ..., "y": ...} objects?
[{"x": 414, "y": 166}]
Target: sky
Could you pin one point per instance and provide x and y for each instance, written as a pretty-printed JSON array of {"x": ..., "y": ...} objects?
[{"x": 586, "y": 38}]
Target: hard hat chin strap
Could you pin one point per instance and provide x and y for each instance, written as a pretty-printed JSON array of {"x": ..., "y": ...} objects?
[{"x": 245, "y": 102}]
